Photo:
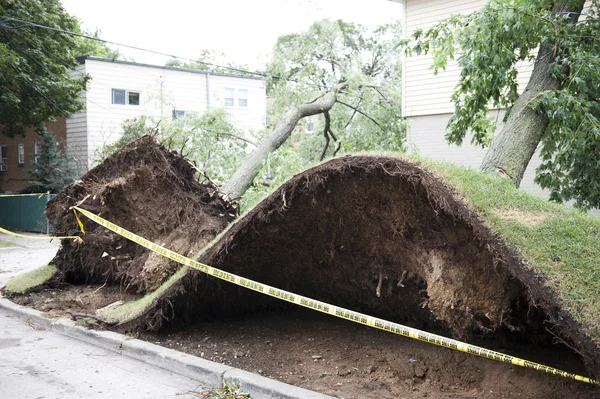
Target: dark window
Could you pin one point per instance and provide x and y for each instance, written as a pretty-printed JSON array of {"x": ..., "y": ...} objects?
[
  {"x": 125, "y": 97},
  {"x": 118, "y": 96},
  {"x": 21, "y": 154},
  {"x": 134, "y": 97},
  {"x": 3, "y": 158},
  {"x": 178, "y": 114}
]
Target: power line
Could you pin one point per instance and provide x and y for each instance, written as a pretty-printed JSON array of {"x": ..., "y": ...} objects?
[{"x": 32, "y": 24}]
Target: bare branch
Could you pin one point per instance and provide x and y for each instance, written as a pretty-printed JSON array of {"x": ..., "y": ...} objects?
[
  {"x": 243, "y": 177},
  {"x": 360, "y": 112},
  {"x": 254, "y": 143},
  {"x": 326, "y": 133}
]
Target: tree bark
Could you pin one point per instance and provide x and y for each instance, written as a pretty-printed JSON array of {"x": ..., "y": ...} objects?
[
  {"x": 512, "y": 148},
  {"x": 243, "y": 177}
]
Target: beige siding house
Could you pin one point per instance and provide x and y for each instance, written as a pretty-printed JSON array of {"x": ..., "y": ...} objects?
[
  {"x": 121, "y": 90},
  {"x": 426, "y": 96}
]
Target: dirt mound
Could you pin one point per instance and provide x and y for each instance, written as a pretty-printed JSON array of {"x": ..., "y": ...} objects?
[
  {"x": 380, "y": 235},
  {"x": 383, "y": 236},
  {"x": 145, "y": 189}
]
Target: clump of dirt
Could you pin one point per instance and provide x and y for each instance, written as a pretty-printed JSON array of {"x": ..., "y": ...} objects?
[
  {"x": 146, "y": 189},
  {"x": 74, "y": 300},
  {"x": 379, "y": 235},
  {"x": 383, "y": 236}
]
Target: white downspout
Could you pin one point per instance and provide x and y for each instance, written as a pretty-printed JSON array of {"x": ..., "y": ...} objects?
[{"x": 207, "y": 91}]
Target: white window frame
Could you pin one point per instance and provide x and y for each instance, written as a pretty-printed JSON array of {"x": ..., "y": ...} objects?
[
  {"x": 3, "y": 158},
  {"x": 226, "y": 98},
  {"x": 242, "y": 98},
  {"x": 21, "y": 154},
  {"x": 127, "y": 91},
  {"x": 37, "y": 151}
]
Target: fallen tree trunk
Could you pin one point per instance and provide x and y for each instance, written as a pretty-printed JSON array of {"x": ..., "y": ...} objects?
[{"x": 243, "y": 177}]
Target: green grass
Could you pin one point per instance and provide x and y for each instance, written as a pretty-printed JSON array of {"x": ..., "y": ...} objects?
[
  {"x": 560, "y": 242},
  {"x": 31, "y": 279},
  {"x": 8, "y": 244},
  {"x": 133, "y": 309}
]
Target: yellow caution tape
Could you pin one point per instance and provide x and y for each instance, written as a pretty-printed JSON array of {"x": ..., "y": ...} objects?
[
  {"x": 79, "y": 221},
  {"x": 332, "y": 309},
  {"x": 40, "y": 195},
  {"x": 38, "y": 238}
]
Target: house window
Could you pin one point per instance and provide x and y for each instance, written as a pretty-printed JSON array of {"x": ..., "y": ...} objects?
[
  {"x": 37, "y": 149},
  {"x": 178, "y": 114},
  {"x": 3, "y": 159},
  {"x": 21, "y": 155},
  {"x": 242, "y": 98},
  {"x": 229, "y": 97},
  {"x": 310, "y": 126},
  {"x": 125, "y": 97}
]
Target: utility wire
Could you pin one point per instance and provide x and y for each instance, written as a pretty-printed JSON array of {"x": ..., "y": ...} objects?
[{"x": 32, "y": 24}]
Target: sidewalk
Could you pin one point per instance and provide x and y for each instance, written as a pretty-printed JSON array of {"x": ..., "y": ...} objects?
[
  {"x": 44, "y": 364},
  {"x": 37, "y": 363},
  {"x": 55, "y": 359},
  {"x": 31, "y": 254}
]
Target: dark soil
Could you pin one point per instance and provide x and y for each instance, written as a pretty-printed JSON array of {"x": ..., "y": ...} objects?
[
  {"x": 339, "y": 231},
  {"x": 343, "y": 359},
  {"x": 81, "y": 299},
  {"x": 148, "y": 190},
  {"x": 346, "y": 360},
  {"x": 379, "y": 235}
]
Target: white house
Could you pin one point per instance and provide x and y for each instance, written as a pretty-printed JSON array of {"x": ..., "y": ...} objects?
[
  {"x": 121, "y": 90},
  {"x": 426, "y": 97}
]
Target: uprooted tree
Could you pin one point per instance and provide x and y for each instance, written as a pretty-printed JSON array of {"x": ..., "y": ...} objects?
[
  {"x": 338, "y": 70},
  {"x": 559, "y": 108}
]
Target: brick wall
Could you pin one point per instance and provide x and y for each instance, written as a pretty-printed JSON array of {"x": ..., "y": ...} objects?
[{"x": 15, "y": 178}]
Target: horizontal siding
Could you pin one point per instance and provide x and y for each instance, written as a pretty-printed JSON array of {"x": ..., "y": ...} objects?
[
  {"x": 426, "y": 93},
  {"x": 162, "y": 91},
  {"x": 251, "y": 118},
  {"x": 77, "y": 140},
  {"x": 427, "y": 138}
]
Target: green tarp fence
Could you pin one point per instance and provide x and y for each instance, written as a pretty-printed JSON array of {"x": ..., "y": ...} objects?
[{"x": 25, "y": 213}]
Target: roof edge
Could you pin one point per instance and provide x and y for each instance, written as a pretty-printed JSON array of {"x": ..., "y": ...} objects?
[{"x": 82, "y": 60}]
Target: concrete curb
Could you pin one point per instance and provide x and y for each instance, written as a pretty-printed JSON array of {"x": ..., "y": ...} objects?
[{"x": 205, "y": 371}]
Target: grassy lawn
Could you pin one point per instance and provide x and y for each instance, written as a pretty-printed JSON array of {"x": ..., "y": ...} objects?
[{"x": 561, "y": 243}]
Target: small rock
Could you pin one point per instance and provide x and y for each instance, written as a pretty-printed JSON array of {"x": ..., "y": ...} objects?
[
  {"x": 344, "y": 373},
  {"x": 371, "y": 369},
  {"x": 317, "y": 357},
  {"x": 421, "y": 371}
]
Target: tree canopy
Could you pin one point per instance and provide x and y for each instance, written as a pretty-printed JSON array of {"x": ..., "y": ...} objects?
[
  {"x": 563, "y": 94},
  {"x": 211, "y": 61},
  {"x": 34, "y": 64},
  {"x": 342, "y": 73},
  {"x": 367, "y": 112}
]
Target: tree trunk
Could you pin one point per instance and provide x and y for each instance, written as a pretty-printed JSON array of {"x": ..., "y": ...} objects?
[
  {"x": 242, "y": 179},
  {"x": 512, "y": 148}
]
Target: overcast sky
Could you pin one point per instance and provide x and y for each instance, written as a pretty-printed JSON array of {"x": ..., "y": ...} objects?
[{"x": 245, "y": 30}]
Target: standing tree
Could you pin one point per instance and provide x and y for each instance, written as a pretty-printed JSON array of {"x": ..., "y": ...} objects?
[
  {"x": 211, "y": 61},
  {"x": 34, "y": 63},
  {"x": 53, "y": 170},
  {"x": 560, "y": 107},
  {"x": 339, "y": 70}
]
